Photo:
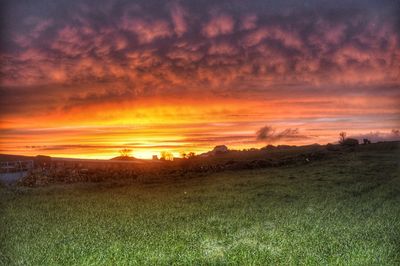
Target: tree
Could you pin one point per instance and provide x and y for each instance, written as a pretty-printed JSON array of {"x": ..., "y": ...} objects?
[
  {"x": 366, "y": 141},
  {"x": 167, "y": 156},
  {"x": 342, "y": 137},
  {"x": 188, "y": 155},
  {"x": 125, "y": 152}
]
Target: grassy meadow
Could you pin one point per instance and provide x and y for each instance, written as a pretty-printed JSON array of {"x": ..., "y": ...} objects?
[{"x": 337, "y": 211}]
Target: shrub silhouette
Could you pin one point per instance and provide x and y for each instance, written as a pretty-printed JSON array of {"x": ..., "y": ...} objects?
[
  {"x": 125, "y": 152},
  {"x": 366, "y": 141},
  {"x": 342, "y": 137},
  {"x": 349, "y": 142},
  {"x": 167, "y": 156}
]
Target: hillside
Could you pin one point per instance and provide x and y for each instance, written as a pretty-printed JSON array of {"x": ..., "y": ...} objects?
[{"x": 341, "y": 210}]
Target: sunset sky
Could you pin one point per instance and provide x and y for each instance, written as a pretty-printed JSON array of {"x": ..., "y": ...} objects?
[{"x": 88, "y": 78}]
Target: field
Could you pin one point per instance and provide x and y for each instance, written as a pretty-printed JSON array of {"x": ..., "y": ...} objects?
[{"x": 343, "y": 210}]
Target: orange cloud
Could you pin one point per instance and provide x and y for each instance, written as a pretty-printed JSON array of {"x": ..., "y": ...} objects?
[
  {"x": 178, "y": 15},
  {"x": 146, "y": 31},
  {"x": 189, "y": 75},
  {"x": 218, "y": 25}
]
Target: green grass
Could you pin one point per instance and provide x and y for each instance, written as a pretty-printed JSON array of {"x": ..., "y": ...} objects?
[{"x": 341, "y": 211}]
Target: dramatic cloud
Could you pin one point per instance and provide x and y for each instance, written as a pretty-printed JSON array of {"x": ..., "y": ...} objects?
[
  {"x": 218, "y": 25},
  {"x": 222, "y": 48},
  {"x": 270, "y": 134},
  {"x": 248, "y": 22},
  {"x": 178, "y": 15},
  {"x": 146, "y": 31},
  {"x": 193, "y": 62}
]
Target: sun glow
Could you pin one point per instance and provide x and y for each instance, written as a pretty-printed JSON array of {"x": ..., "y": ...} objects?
[
  {"x": 100, "y": 131},
  {"x": 89, "y": 83}
]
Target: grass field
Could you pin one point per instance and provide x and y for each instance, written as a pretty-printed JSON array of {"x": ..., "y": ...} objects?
[{"x": 339, "y": 211}]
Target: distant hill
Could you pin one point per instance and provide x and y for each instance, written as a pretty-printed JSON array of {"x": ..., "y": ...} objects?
[{"x": 126, "y": 158}]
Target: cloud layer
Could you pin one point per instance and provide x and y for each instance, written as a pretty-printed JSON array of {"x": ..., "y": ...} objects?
[
  {"x": 270, "y": 134},
  {"x": 123, "y": 61}
]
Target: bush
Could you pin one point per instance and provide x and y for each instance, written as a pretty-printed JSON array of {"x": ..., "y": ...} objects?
[{"x": 349, "y": 142}]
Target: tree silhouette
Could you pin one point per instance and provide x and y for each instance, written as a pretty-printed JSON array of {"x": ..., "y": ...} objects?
[
  {"x": 342, "y": 137},
  {"x": 167, "y": 156},
  {"x": 187, "y": 155},
  {"x": 190, "y": 155},
  {"x": 125, "y": 152}
]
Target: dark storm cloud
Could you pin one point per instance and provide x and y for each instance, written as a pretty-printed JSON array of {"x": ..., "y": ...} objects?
[
  {"x": 175, "y": 47},
  {"x": 270, "y": 134}
]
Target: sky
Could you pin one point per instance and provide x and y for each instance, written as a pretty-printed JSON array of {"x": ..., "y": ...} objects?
[{"x": 88, "y": 78}]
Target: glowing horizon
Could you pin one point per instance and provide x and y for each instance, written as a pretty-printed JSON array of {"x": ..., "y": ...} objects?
[{"x": 84, "y": 82}]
